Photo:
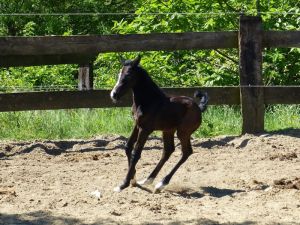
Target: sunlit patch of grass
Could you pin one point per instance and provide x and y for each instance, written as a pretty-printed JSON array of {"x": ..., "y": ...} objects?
[
  {"x": 86, "y": 123},
  {"x": 59, "y": 124},
  {"x": 280, "y": 117},
  {"x": 220, "y": 120}
]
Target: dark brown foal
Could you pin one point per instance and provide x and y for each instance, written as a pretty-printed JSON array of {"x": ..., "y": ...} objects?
[{"x": 154, "y": 110}]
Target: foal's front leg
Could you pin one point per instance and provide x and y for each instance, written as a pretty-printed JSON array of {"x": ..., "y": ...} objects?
[
  {"x": 135, "y": 156},
  {"x": 130, "y": 143}
]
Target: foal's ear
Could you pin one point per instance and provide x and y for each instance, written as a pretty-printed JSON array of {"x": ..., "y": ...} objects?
[
  {"x": 136, "y": 61},
  {"x": 122, "y": 60}
]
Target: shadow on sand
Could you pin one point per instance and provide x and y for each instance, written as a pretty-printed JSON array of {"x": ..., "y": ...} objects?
[
  {"x": 60, "y": 147},
  {"x": 204, "y": 191},
  {"x": 219, "y": 192},
  {"x": 209, "y": 144},
  {"x": 68, "y": 146},
  {"x": 47, "y": 218},
  {"x": 215, "y": 143},
  {"x": 292, "y": 132}
]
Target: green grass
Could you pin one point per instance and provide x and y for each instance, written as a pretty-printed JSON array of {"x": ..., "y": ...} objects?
[
  {"x": 86, "y": 123},
  {"x": 282, "y": 117},
  {"x": 62, "y": 124},
  {"x": 220, "y": 120}
]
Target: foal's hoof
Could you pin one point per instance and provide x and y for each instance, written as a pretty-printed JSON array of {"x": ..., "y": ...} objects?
[
  {"x": 121, "y": 187},
  {"x": 146, "y": 181},
  {"x": 158, "y": 188}
]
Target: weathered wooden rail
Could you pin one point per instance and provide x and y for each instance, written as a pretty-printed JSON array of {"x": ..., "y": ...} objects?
[
  {"x": 251, "y": 39},
  {"x": 24, "y": 51},
  {"x": 101, "y": 99},
  {"x": 51, "y": 50}
]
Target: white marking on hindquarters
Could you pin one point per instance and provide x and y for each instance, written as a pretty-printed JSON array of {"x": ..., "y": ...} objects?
[
  {"x": 159, "y": 187},
  {"x": 146, "y": 181}
]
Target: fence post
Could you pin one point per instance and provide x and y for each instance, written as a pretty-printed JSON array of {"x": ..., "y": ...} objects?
[
  {"x": 85, "y": 77},
  {"x": 250, "y": 66}
]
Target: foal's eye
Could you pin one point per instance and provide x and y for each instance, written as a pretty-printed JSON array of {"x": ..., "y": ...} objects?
[{"x": 127, "y": 77}]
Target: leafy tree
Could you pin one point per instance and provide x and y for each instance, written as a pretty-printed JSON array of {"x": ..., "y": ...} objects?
[
  {"x": 58, "y": 24},
  {"x": 216, "y": 67},
  {"x": 179, "y": 68}
]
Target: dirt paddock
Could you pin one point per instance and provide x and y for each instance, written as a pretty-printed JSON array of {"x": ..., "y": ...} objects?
[{"x": 228, "y": 180}]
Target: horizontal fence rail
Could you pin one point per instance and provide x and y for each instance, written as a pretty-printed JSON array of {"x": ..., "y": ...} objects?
[
  {"x": 281, "y": 39},
  {"x": 80, "y": 49},
  {"x": 49, "y": 50},
  {"x": 101, "y": 98}
]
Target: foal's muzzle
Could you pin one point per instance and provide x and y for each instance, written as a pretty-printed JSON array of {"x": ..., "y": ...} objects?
[{"x": 114, "y": 96}]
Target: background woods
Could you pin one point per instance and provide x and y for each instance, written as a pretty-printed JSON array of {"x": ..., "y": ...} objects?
[{"x": 178, "y": 68}]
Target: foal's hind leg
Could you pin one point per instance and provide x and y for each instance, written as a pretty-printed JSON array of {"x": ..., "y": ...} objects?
[
  {"x": 186, "y": 152},
  {"x": 168, "y": 140}
]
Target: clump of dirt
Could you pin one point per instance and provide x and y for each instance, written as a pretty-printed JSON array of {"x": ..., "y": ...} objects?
[
  {"x": 258, "y": 185},
  {"x": 284, "y": 156},
  {"x": 287, "y": 183},
  {"x": 7, "y": 191}
]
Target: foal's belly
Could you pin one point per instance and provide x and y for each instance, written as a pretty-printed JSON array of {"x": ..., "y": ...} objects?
[
  {"x": 168, "y": 117},
  {"x": 159, "y": 122},
  {"x": 180, "y": 112}
]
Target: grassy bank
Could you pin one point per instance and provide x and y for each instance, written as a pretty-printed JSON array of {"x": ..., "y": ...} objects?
[{"x": 86, "y": 123}]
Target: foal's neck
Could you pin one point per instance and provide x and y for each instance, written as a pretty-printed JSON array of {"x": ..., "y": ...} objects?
[{"x": 146, "y": 92}]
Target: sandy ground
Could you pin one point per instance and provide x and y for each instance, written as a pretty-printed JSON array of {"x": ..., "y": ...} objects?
[{"x": 228, "y": 180}]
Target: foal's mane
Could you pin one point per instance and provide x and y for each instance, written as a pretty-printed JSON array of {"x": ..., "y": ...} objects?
[{"x": 146, "y": 82}]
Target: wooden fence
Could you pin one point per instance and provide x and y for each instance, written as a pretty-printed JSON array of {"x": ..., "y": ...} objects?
[{"x": 82, "y": 50}]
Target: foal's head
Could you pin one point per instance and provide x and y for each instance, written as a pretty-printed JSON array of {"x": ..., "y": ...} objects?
[{"x": 127, "y": 78}]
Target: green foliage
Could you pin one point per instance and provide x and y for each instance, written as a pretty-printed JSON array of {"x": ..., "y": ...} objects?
[
  {"x": 178, "y": 68},
  {"x": 29, "y": 29},
  {"x": 185, "y": 68},
  {"x": 215, "y": 67},
  {"x": 281, "y": 65},
  {"x": 37, "y": 77},
  {"x": 59, "y": 24}
]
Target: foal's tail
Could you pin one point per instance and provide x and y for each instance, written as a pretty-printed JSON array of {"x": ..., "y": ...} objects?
[{"x": 203, "y": 99}]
